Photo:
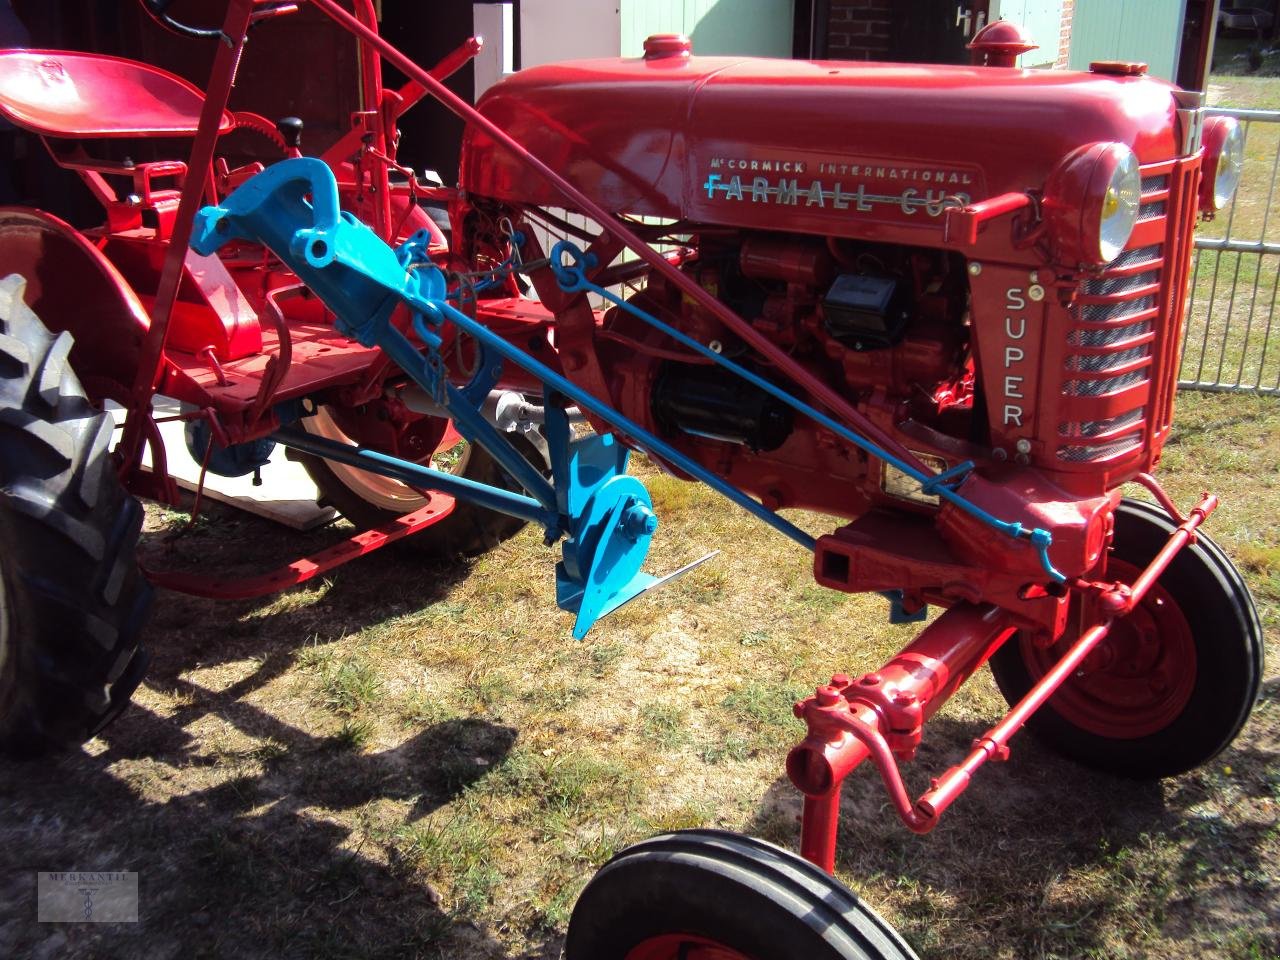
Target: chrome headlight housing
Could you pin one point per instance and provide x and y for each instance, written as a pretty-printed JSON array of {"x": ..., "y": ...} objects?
[
  {"x": 1223, "y": 162},
  {"x": 1121, "y": 201},
  {"x": 1091, "y": 202}
]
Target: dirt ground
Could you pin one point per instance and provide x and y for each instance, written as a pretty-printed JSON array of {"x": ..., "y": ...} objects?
[{"x": 415, "y": 760}]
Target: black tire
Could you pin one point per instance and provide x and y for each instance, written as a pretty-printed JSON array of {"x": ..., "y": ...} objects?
[
  {"x": 726, "y": 889},
  {"x": 1226, "y": 655},
  {"x": 72, "y": 599},
  {"x": 468, "y": 531}
]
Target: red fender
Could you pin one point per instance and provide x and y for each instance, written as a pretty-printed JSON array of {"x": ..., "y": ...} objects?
[{"x": 72, "y": 286}]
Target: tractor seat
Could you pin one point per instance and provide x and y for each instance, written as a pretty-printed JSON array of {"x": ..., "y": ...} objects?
[{"x": 57, "y": 93}]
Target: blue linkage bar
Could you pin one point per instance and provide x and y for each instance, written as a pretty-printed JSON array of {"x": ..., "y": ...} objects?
[
  {"x": 493, "y": 498},
  {"x": 442, "y": 310},
  {"x": 572, "y": 279}
]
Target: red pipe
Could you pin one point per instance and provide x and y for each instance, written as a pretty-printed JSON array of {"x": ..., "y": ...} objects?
[
  {"x": 826, "y": 395},
  {"x": 845, "y": 719},
  {"x": 371, "y": 91},
  {"x": 960, "y": 224},
  {"x": 846, "y": 724},
  {"x": 150, "y": 359},
  {"x": 821, "y": 818}
]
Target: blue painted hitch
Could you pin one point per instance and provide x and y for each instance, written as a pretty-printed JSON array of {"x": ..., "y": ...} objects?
[{"x": 606, "y": 516}]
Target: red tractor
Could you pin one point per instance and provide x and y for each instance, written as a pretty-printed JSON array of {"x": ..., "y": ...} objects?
[{"x": 940, "y": 304}]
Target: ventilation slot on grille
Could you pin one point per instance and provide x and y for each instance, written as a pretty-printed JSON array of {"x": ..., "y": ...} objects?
[
  {"x": 1104, "y": 451},
  {"x": 1151, "y": 211},
  {"x": 1114, "y": 285},
  {"x": 1098, "y": 388},
  {"x": 1099, "y": 362},
  {"x": 1109, "y": 335},
  {"x": 1113, "y": 312},
  {"x": 1131, "y": 258},
  {"x": 1155, "y": 184},
  {"x": 1097, "y": 428}
]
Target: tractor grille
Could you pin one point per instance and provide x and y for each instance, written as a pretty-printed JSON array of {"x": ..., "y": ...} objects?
[{"x": 1110, "y": 343}]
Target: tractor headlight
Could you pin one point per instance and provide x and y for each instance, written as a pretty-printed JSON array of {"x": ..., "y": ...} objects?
[
  {"x": 1223, "y": 162},
  {"x": 1120, "y": 203},
  {"x": 1092, "y": 201}
]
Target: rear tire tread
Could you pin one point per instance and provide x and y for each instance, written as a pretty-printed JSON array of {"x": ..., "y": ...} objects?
[{"x": 76, "y": 598}]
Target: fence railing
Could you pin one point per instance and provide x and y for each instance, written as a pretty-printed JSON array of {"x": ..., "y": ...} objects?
[{"x": 1232, "y": 337}]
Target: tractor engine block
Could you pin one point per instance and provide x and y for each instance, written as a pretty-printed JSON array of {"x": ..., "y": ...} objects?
[{"x": 883, "y": 324}]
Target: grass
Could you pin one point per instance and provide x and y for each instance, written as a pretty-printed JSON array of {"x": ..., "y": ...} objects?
[{"x": 423, "y": 757}]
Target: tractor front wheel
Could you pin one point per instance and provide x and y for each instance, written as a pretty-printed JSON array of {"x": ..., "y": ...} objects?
[
  {"x": 72, "y": 599},
  {"x": 715, "y": 895},
  {"x": 1172, "y": 683}
]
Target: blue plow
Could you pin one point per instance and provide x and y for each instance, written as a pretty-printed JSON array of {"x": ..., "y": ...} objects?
[{"x": 605, "y": 516}]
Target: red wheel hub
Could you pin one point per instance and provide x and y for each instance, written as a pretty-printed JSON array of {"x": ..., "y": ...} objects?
[
  {"x": 1139, "y": 678},
  {"x": 682, "y": 946}
]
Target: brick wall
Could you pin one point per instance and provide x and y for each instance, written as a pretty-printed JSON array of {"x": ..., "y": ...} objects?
[
  {"x": 858, "y": 30},
  {"x": 1064, "y": 33}
]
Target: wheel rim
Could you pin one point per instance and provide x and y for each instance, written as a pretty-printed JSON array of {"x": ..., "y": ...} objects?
[
  {"x": 450, "y": 455},
  {"x": 682, "y": 946},
  {"x": 1138, "y": 680}
]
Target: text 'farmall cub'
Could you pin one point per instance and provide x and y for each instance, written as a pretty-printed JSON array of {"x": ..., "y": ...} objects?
[{"x": 942, "y": 305}]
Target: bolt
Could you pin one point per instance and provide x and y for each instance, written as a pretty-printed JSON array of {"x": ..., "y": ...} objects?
[
  {"x": 840, "y": 680},
  {"x": 1035, "y": 292},
  {"x": 903, "y": 699},
  {"x": 639, "y": 521},
  {"x": 999, "y": 453},
  {"x": 1034, "y": 276},
  {"x": 1023, "y": 445},
  {"x": 827, "y": 696},
  {"x": 975, "y": 268},
  {"x": 870, "y": 680},
  {"x": 715, "y": 346}
]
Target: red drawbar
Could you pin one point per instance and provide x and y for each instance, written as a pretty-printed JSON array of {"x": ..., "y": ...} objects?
[{"x": 302, "y": 570}]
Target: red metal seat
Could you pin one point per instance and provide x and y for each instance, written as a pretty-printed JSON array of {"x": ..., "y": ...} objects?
[{"x": 58, "y": 93}]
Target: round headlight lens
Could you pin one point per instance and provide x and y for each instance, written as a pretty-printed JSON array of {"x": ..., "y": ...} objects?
[
  {"x": 1120, "y": 204},
  {"x": 1230, "y": 166}
]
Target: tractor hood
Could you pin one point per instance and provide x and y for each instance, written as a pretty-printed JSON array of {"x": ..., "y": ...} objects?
[{"x": 827, "y": 147}]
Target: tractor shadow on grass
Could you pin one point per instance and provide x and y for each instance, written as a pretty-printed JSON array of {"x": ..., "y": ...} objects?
[
  {"x": 250, "y": 865},
  {"x": 187, "y": 631},
  {"x": 278, "y": 850},
  {"x": 1040, "y": 856}
]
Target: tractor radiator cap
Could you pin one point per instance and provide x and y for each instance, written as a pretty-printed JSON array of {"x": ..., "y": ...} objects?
[
  {"x": 1000, "y": 43},
  {"x": 663, "y": 45}
]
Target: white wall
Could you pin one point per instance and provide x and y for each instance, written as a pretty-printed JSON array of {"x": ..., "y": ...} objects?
[{"x": 553, "y": 30}]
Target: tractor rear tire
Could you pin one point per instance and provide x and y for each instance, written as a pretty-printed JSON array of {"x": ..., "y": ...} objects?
[
  {"x": 368, "y": 500},
  {"x": 716, "y": 895},
  {"x": 72, "y": 599},
  {"x": 1175, "y": 680}
]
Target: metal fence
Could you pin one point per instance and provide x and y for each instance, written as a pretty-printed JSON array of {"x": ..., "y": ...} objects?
[{"x": 1232, "y": 337}]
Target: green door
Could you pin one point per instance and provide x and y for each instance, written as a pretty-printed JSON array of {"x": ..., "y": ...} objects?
[
  {"x": 1043, "y": 20},
  {"x": 1147, "y": 30},
  {"x": 761, "y": 28}
]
